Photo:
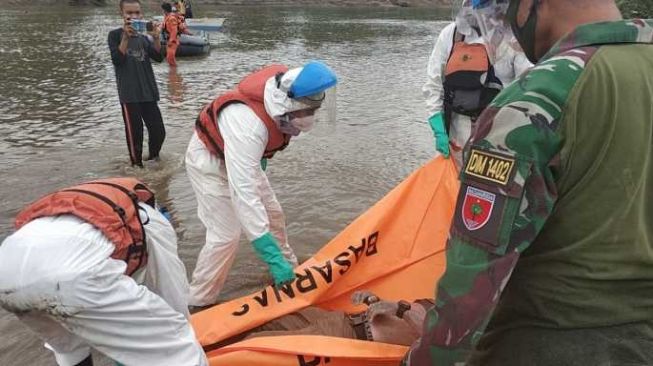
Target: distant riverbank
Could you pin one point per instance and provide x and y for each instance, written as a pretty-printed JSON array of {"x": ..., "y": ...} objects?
[
  {"x": 375, "y": 3},
  {"x": 629, "y": 8}
]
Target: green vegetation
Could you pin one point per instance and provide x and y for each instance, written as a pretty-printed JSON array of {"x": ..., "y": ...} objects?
[{"x": 636, "y": 8}]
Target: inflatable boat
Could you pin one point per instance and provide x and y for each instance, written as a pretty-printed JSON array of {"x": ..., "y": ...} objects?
[
  {"x": 205, "y": 24},
  {"x": 396, "y": 250},
  {"x": 197, "y": 44},
  {"x": 201, "y": 24}
]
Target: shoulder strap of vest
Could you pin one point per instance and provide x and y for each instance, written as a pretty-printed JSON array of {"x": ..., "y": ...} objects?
[
  {"x": 140, "y": 250},
  {"x": 456, "y": 38},
  {"x": 447, "y": 111}
]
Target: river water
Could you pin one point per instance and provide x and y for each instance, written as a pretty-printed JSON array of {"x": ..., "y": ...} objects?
[{"x": 61, "y": 123}]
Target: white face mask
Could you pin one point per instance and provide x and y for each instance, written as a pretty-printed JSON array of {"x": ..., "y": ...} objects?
[
  {"x": 303, "y": 124},
  {"x": 286, "y": 127}
]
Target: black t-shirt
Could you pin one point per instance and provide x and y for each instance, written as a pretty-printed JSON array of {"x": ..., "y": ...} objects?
[{"x": 134, "y": 75}]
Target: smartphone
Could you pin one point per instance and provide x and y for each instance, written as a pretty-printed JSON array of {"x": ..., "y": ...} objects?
[{"x": 142, "y": 26}]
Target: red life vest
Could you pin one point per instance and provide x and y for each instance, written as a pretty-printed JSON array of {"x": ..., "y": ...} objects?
[
  {"x": 470, "y": 83},
  {"x": 173, "y": 23},
  {"x": 111, "y": 205},
  {"x": 249, "y": 91}
]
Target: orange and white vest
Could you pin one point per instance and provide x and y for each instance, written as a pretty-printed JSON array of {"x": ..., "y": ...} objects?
[
  {"x": 470, "y": 82},
  {"x": 249, "y": 91},
  {"x": 173, "y": 25},
  {"x": 111, "y": 205}
]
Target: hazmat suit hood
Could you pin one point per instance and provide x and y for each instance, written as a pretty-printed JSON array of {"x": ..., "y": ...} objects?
[
  {"x": 465, "y": 19},
  {"x": 276, "y": 99}
]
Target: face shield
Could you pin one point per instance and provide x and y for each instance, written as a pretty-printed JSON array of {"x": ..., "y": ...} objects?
[
  {"x": 303, "y": 120},
  {"x": 463, "y": 16},
  {"x": 293, "y": 123},
  {"x": 491, "y": 18},
  {"x": 294, "y": 98},
  {"x": 326, "y": 113}
]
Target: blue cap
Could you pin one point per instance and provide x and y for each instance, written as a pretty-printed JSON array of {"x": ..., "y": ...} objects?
[
  {"x": 476, "y": 4},
  {"x": 314, "y": 78},
  {"x": 480, "y": 4}
]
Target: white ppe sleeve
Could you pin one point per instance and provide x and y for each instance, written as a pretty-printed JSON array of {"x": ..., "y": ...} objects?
[
  {"x": 521, "y": 64},
  {"x": 165, "y": 274},
  {"x": 245, "y": 138},
  {"x": 433, "y": 89}
]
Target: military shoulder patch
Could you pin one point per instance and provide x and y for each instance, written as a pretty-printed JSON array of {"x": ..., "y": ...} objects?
[
  {"x": 491, "y": 167},
  {"x": 489, "y": 198},
  {"x": 477, "y": 208}
]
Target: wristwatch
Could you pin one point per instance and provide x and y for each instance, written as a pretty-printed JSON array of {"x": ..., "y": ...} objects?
[
  {"x": 369, "y": 300},
  {"x": 404, "y": 306}
]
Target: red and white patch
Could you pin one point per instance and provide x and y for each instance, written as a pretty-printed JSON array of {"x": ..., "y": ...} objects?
[{"x": 477, "y": 208}]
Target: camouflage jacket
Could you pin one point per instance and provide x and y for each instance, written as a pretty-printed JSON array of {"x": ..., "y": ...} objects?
[{"x": 508, "y": 191}]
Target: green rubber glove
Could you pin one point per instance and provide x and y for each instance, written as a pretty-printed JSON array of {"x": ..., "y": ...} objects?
[
  {"x": 268, "y": 250},
  {"x": 440, "y": 133},
  {"x": 264, "y": 163}
]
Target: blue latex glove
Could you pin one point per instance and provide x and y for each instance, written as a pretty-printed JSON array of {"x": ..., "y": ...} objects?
[
  {"x": 264, "y": 163},
  {"x": 268, "y": 250},
  {"x": 440, "y": 133}
]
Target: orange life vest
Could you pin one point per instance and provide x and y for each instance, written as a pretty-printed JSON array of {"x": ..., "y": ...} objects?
[
  {"x": 470, "y": 83},
  {"x": 173, "y": 23},
  {"x": 250, "y": 92},
  {"x": 111, "y": 205}
]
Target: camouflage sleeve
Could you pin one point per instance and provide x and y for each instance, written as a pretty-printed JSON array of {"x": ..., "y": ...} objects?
[{"x": 507, "y": 192}]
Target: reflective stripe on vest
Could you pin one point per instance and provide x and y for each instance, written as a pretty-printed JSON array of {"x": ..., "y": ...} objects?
[
  {"x": 250, "y": 92},
  {"x": 111, "y": 205}
]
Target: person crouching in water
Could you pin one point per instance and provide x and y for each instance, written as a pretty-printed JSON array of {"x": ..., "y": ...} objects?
[
  {"x": 234, "y": 136},
  {"x": 173, "y": 25},
  {"x": 68, "y": 274}
]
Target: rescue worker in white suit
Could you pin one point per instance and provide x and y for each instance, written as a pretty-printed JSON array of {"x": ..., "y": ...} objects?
[
  {"x": 462, "y": 79},
  {"x": 225, "y": 161},
  {"x": 68, "y": 274}
]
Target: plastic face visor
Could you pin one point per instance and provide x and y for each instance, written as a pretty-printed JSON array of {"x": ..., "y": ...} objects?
[
  {"x": 310, "y": 99},
  {"x": 313, "y": 79}
]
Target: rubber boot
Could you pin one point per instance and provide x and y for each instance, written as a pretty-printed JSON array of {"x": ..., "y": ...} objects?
[{"x": 88, "y": 361}]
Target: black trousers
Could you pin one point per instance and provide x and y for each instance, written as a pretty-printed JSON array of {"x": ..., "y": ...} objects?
[{"x": 134, "y": 115}]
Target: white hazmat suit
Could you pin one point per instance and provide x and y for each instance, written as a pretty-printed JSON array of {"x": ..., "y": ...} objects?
[
  {"x": 234, "y": 194},
  {"x": 57, "y": 276}
]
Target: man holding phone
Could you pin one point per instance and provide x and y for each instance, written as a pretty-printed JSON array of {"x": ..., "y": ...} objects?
[{"x": 132, "y": 46}]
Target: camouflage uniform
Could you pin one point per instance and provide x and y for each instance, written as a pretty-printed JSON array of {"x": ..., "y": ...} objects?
[{"x": 511, "y": 187}]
